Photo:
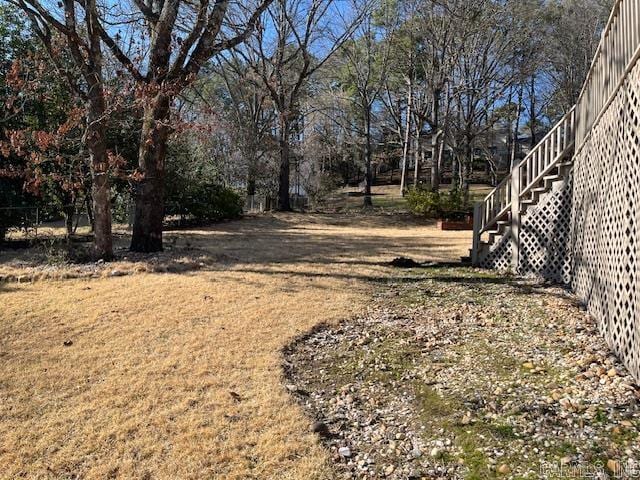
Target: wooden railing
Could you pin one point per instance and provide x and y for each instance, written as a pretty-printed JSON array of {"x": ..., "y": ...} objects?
[
  {"x": 496, "y": 204},
  {"x": 547, "y": 154},
  {"x": 538, "y": 163},
  {"x": 617, "y": 52},
  {"x": 504, "y": 200}
]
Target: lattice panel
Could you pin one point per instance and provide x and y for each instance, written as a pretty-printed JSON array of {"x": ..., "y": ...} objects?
[
  {"x": 605, "y": 223},
  {"x": 545, "y": 234},
  {"x": 498, "y": 254}
]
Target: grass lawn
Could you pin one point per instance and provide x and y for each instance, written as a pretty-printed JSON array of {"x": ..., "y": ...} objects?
[
  {"x": 178, "y": 375},
  {"x": 388, "y": 197}
]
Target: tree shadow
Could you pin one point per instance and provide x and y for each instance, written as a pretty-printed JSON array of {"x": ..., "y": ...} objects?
[
  {"x": 526, "y": 286},
  {"x": 307, "y": 243},
  {"x": 374, "y": 279}
]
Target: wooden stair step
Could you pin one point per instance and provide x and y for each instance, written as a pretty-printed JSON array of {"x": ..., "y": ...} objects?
[
  {"x": 564, "y": 164},
  {"x": 501, "y": 226},
  {"x": 526, "y": 203}
]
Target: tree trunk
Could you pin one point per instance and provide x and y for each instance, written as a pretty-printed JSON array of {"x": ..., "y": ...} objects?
[
  {"x": 101, "y": 190},
  {"x": 284, "y": 204},
  {"x": 467, "y": 168},
  {"x": 95, "y": 138},
  {"x": 436, "y": 161},
  {"x": 510, "y": 122},
  {"x": 69, "y": 211},
  {"x": 440, "y": 162},
  {"x": 516, "y": 128},
  {"x": 455, "y": 171},
  {"x": 367, "y": 155},
  {"x": 435, "y": 137},
  {"x": 407, "y": 140},
  {"x": 416, "y": 157},
  {"x": 149, "y": 194},
  {"x": 88, "y": 205},
  {"x": 251, "y": 179},
  {"x": 532, "y": 113}
]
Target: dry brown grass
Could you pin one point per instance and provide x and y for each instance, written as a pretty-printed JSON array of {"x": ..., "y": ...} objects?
[
  {"x": 144, "y": 390},
  {"x": 388, "y": 197}
]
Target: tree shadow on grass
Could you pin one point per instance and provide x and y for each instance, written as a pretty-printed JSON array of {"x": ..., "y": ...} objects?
[
  {"x": 339, "y": 246},
  {"x": 525, "y": 286},
  {"x": 375, "y": 279},
  {"x": 6, "y": 287}
]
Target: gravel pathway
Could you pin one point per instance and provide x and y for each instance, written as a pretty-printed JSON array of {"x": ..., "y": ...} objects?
[{"x": 459, "y": 373}]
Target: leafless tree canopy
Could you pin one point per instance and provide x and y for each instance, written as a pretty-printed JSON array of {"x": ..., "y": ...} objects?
[{"x": 286, "y": 98}]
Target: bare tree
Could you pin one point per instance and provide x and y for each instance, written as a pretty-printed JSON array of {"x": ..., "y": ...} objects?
[
  {"x": 85, "y": 47},
  {"x": 162, "y": 45},
  {"x": 362, "y": 68},
  {"x": 574, "y": 37},
  {"x": 480, "y": 78},
  {"x": 300, "y": 38},
  {"x": 252, "y": 116},
  {"x": 440, "y": 54}
]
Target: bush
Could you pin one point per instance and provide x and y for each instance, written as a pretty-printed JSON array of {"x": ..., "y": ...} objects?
[
  {"x": 215, "y": 202},
  {"x": 206, "y": 203},
  {"x": 450, "y": 205},
  {"x": 320, "y": 187},
  {"x": 423, "y": 202}
]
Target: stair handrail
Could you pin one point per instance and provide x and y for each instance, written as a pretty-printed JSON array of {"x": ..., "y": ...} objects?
[
  {"x": 556, "y": 144},
  {"x": 617, "y": 53},
  {"x": 543, "y": 158}
]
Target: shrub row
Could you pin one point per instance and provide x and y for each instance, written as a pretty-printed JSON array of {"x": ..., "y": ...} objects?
[
  {"x": 450, "y": 205},
  {"x": 206, "y": 202}
]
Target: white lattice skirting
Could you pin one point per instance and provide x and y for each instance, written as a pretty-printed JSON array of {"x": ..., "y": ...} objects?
[
  {"x": 498, "y": 256},
  {"x": 544, "y": 238},
  {"x": 585, "y": 232},
  {"x": 605, "y": 222},
  {"x": 545, "y": 234}
]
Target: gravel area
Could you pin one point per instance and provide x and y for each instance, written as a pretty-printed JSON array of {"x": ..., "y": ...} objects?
[{"x": 460, "y": 373}]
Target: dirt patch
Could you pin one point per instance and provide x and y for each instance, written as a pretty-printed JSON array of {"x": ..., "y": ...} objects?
[{"x": 457, "y": 373}]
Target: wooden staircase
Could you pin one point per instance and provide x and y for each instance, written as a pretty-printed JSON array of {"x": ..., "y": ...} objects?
[{"x": 497, "y": 217}]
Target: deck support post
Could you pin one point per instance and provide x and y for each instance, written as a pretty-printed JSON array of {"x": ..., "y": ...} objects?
[
  {"x": 516, "y": 178},
  {"x": 477, "y": 224}
]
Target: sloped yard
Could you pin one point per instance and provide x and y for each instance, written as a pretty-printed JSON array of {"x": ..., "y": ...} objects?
[
  {"x": 171, "y": 366},
  {"x": 287, "y": 347}
]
